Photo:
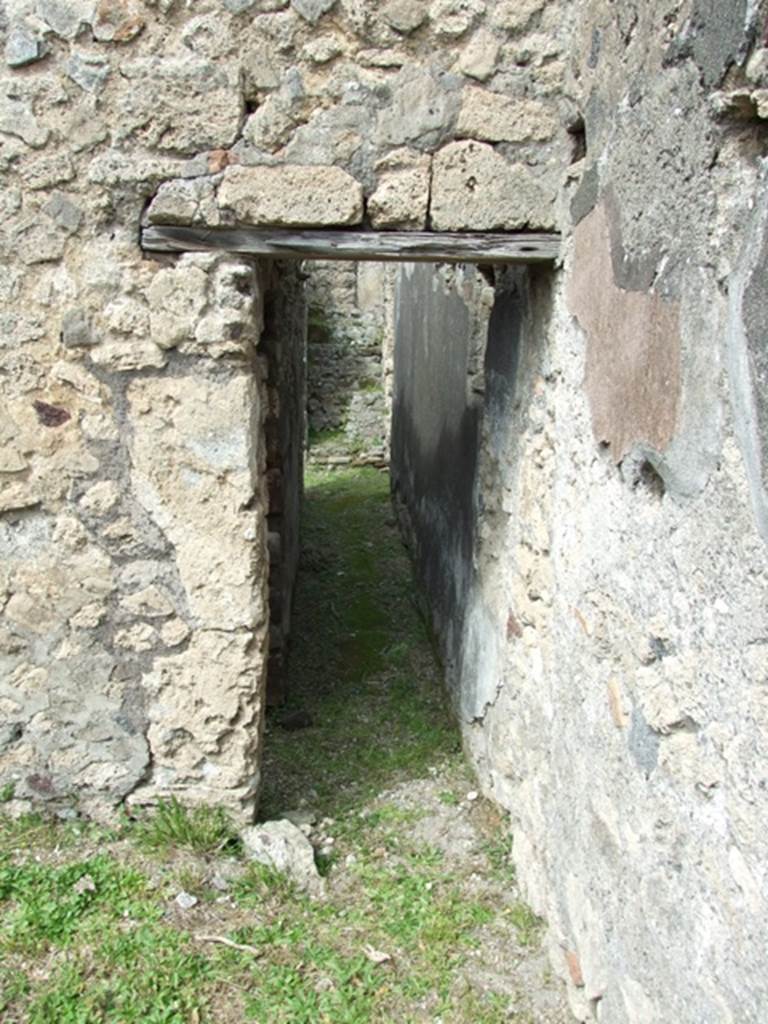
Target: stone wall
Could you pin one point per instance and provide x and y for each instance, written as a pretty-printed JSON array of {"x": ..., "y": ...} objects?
[
  {"x": 133, "y": 472},
  {"x": 134, "y": 541},
  {"x": 607, "y": 546},
  {"x": 349, "y": 361}
]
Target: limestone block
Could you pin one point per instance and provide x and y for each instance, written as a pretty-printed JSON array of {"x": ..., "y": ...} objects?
[
  {"x": 514, "y": 15},
  {"x": 292, "y": 196},
  {"x": 492, "y": 117},
  {"x": 63, "y": 213},
  {"x": 101, "y": 498},
  {"x": 114, "y": 168},
  {"x": 185, "y": 104},
  {"x": 184, "y": 201},
  {"x": 404, "y": 16},
  {"x": 480, "y": 56},
  {"x": 401, "y": 198},
  {"x": 174, "y": 632},
  {"x": 390, "y": 58},
  {"x": 421, "y": 111},
  {"x": 475, "y": 189},
  {"x": 323, "y": 48},
  {"x": 452, "y": 18},
  {"x": 234, "y": 316},
  {"x": 150, "y": 602},
  {"x": 203, "y": 708},
  {"x": 17, "y": 119},
  {"x": 330, "y": 136},
  {"x": 127, "y": 354},
  {"x": 177, "y": 297},
  {"x": 76, "y": 330},
  {"x": 138, "y": 638},
  {"x": 271, "y": 125},
  {"x": 194, "y": 469},
  {"x": 282, "y": 846}
]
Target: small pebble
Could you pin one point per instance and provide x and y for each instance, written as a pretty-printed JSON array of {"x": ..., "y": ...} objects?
[
  {"x": 186, "y": 900},
  {"x": 472, "y": 795}
]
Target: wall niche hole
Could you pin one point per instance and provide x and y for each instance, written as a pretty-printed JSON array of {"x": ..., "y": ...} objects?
[
  {"x": 578, "y": 133},
  {"x": 649, "y": 478}
]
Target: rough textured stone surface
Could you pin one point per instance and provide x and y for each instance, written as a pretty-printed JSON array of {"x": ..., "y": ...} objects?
[
  {"x": 292, "y": 196},
  {"x": 312, "y": 10},
  {"x": 281, "y": 845},
  {"x": 404, "y": 15},
  {"x": 474, "y": 187},
  {"x": 401, "y": 199},
  {"x": 603, "y": 626},
  {"x": 493, "y": 117},
  {"x": 22, "y": 47},
  {"x": 480, "y": 56}
]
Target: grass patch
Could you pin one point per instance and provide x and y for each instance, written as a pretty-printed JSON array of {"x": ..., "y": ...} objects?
[
  {"x": 527, "y": 925},
  {"x": 204, "y": 830},
  {"x": 49, "y": 905},
  {"x": 354, "y": 601}
]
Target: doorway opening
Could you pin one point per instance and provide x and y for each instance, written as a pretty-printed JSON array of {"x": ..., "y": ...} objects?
[{"x": 359, "y": 651}]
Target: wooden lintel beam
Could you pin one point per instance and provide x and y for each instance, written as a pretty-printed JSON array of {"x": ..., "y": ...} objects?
[{"x": 334, "y": 244}]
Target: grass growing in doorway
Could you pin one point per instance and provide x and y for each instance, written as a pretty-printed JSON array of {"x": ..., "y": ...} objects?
[{"x": 360, "y": 665}]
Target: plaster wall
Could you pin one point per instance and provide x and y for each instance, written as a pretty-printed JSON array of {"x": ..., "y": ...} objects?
[{"x": 606, "y": 544}]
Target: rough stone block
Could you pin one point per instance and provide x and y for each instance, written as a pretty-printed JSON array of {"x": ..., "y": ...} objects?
[
  {"x": 184, "y": 201},
  {"x": 282, "y": 846},
  {"x": 186, "y": 104},
  {"x": 194, "y": 457},
  {"x": 23, "y": 47},
  {"x": 480, "y": 56},
  {"x": 76, "y": 330},
  {"x": 401, "y": 198},
  {"x": 452, "y": 18},
  {"x": 492, "y": 117},
  {"x": 17, "y": 119},
  {"x": 117, "y": 21},
  {"x": 66, "y": 18},
  {"x": 421, "y": 111},
  {"x": 89, "y": 71},
  {"x": 312, "y": 10},
  {"x": 475, "y": 189},
  {"x": 292, "y": 196},
  {"x": 404, "y": 16},
  {"x": 514, "y": 15}
]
